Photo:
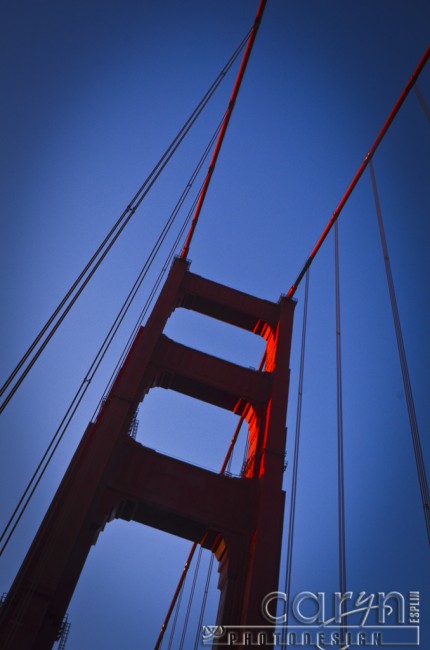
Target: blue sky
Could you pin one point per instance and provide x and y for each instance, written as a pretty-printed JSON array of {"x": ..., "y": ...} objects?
[{"x": 92, "y": 94}]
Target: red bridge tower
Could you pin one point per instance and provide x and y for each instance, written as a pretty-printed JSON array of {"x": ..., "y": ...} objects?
[{"x": 112, "y": 476}]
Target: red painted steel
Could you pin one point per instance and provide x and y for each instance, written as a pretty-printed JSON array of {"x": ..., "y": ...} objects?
[
  {"x": 224, "y": 125},
  {"x": 113, "y": 476},
  {"x": 360, "y": 171}
]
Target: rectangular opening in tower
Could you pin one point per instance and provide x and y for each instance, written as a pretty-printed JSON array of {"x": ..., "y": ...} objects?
[
  {"x": 215, "y": 337},
  {"x": 190, "y": 430}
]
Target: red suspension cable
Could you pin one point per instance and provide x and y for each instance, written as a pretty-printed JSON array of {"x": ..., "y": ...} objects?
[
  {"x": 360, "y": 171},
  {"x": 232, "y": 102}
]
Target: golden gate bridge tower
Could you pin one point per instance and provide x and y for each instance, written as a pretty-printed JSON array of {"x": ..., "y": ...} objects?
[{"x": 112, "y": 476}]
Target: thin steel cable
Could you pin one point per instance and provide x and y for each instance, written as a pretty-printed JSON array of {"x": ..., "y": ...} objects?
[
  {"x": 190, "y": 599},
  {"x": 245, "y": 454},
  {"x": 226, "y": 466},
  {"x": 65, "y": 422},
  {"x": 422, "y": 102},
  {"x": 173, "y": 602},
  {"x": 413, "y": 422},
  {"x": 340, "y": 452},
  {"x": 291, "y": 523},
  {"x": 236, "y": 433},
  {"x": 229, "y": 464},
  {"x": 97, "y": 258},
  {"x": 145, "y": 308},
  {"x": 175, "y": 618},
  {"x": 204, "y": 601}
]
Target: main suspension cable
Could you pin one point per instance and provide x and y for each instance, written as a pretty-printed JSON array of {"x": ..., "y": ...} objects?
[
  {"x": 360, "y": 171},
  {"x": 251, "y": 40},
  {"x": 93, "y": 264},
  {"x": 65, "y": 422},
  {"x": 413, "y": 422}
]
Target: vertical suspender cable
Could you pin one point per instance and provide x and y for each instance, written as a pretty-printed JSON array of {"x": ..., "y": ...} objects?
[
  {"x": 416, "y": 441},
  {"x": 203, "y": 607},
  {"x": 175, "y": 618},
  {"x": 175, "y": 597},
  {"x": 340, "y": 455},
  {"x": 290, "y": 540},
  {"x": 190, "y": 600}
]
